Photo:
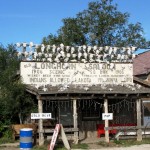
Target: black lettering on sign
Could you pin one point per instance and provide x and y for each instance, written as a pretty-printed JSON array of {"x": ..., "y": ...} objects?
[{"x": 33, "y": 80}]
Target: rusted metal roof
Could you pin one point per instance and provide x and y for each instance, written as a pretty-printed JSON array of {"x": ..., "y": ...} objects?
[{"x": 141, "y": 64}]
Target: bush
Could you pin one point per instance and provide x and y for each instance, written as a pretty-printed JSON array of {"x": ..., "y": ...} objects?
[{"x": 5, "y": 134}]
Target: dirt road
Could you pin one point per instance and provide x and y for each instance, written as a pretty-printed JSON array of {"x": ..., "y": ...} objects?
[{"x": 92, "y": 147}]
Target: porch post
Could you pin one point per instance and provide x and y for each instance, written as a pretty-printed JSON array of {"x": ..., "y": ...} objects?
[
  {"x": 40, "y": 110},
  {"x": 106, "y": 121},
  {"x": 75, "y": 121},
  {"x": 139, "y": 131}
]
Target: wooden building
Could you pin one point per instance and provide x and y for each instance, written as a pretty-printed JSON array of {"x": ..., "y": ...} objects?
[
  {"x": 82, "y": 85},
  {"x": 141, "y": 69},
  {"x": 81, "y": 110}
]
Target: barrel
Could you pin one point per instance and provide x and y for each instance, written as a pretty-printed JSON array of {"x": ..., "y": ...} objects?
[{"x": 26, "y": 138}]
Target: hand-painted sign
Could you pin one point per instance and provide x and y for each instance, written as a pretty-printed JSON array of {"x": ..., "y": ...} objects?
[
  {"x": 46, "y": 73},
  {"x": 41, "y": 116},
  {"x": 107, "y": 116},
  {"x": 54, "y": 137}
]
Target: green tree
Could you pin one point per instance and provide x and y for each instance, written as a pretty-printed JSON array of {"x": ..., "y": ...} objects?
[
  {"x": 71, "y": 32},
  {"x": 101, "y": 24},
  {"x": 15, "y": 103},
  {"x": 51, "y": 39}
]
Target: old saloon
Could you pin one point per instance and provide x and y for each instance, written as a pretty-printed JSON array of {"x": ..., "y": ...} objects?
[{"x": 79, "y": 85}]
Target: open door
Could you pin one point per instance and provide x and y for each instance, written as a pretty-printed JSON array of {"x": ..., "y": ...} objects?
[{"x": 146, "y": 113}]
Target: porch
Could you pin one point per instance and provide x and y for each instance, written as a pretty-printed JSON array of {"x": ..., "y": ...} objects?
[{"x": 80, "y": 111}]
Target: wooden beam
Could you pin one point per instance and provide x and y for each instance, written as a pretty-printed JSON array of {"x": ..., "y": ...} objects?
[
  {"x": 92, "y": 96},
  {"x": 139, "y": 131},
  {"x": 106, "y": 121},
  {"x": 65, "y": 129},
  {"x": 145, "y": 98},
  {"x": 128, "y": 128},
  {"x": 75, "y": 120},
  {"x": 41, "y": 132},
  {"x": 59, "y": 97},
  {"x": 123, "y": 96},
  {"x": 31, "y": 92}
]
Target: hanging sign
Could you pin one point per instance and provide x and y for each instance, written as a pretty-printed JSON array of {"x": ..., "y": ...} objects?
[
  {"x": 107, "y": 116},
  {"x": 41, "y": 116}
]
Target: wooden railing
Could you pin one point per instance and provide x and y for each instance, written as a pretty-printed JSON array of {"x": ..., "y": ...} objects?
[{"x": 17, "y": 127}]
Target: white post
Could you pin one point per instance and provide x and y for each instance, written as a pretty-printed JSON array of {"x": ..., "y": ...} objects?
[
  {"x": 139, "y": 131},
  {"x": 106, "y": 121},
  {"x": 40, "y": 110},
  {"x": 75, "y": 121}
]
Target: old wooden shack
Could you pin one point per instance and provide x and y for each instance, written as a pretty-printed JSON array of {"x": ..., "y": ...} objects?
[
  {"x": 79, "y": 85},
  {"x": 81, "y": 110}
]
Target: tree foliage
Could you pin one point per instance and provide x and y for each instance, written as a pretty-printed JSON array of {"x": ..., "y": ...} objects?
[
  {"x": 15, "y": 103},
  {"x": 101, "y": 24}
]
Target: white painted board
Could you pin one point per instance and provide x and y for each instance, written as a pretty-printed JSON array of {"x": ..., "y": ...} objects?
[
  {"x": 45, "y": 73},
  {"x": 41, "y": 116},
  {"x": 107, "y": 116}
]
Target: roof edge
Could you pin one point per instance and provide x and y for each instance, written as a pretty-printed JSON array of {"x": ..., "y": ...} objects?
[{"x": 141, "y": 81}]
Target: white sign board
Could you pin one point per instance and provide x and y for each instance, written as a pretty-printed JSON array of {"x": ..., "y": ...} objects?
[
  {"x": 44, "y": 73},
  {"x": 41, "y": 116},
  {"x": 54, "y": 137},
  {"x": 107, "y": 116}
]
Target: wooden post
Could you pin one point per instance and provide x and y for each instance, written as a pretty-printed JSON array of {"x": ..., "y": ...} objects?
[
  {"x": 40, "y": 110},
  {"x": 139, "y": 131},
  {"x": 106, "y": 121},
  {"x": 75, "y": 121}
]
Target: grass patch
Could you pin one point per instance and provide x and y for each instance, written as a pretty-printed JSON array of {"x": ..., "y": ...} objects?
[
  {"x": 4, "y": 140},
  {"x": 6, "y": 136},
  {"x": 79, "y": 146},
  {"x": 123, "y": 143},
  {"x": 104, "y": 144},
  {"x": 40, "y": 147},
  {"x": 127, "y": 143},
  {"x": 60, "y": 146}
]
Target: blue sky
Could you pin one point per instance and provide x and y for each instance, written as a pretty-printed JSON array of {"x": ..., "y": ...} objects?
[{"x": 31, "y": 20}]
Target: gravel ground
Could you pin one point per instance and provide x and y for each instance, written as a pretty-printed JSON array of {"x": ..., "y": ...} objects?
[
  {"x": 92, "y": 147},
  {"x": 135, "y": 147}
]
